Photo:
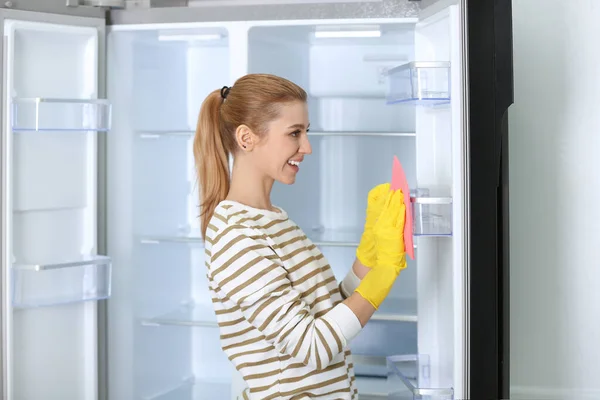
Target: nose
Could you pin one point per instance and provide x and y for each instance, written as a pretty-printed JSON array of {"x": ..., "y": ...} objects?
[{"x": 305, "y": 147}]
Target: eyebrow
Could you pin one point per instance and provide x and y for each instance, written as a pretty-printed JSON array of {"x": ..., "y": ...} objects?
[{"x": 300, "y": 126}]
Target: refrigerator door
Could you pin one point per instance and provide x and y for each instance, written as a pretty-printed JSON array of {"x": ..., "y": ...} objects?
[
  {"x": 52, "y": 275},
  {"x": 489, "y": 48}
]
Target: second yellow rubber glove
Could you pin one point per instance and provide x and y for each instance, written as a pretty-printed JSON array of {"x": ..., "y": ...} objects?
[
  {"x": 365, "y": 252},
  {"x": 388, "y": 232}
]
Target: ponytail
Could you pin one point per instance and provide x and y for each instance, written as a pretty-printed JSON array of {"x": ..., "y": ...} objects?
[
  {"x": 254, "y": 100},
  {"x": 211, "y": 158}
]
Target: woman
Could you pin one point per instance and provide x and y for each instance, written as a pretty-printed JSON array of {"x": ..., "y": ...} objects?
[{"x": 285, "y": 323}]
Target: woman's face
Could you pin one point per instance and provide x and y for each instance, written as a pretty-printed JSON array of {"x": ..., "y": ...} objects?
[{"x": 281, "y": 150}]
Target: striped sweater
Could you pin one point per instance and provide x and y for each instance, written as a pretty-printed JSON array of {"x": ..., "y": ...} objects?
[{"x": 278, "y": 307}]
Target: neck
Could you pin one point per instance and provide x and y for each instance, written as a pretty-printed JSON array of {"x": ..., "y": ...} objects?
[{"x": 249, "y": 187}]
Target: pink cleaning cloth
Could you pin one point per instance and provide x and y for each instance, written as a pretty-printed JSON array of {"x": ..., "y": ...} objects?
[{"x": 399, "y": 182}]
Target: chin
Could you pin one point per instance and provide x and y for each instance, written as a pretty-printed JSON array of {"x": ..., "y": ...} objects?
[{"x": 287, "y": 180}]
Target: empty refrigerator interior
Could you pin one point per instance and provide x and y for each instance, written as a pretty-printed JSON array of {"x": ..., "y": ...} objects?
[{"x": 166, "y": 341}]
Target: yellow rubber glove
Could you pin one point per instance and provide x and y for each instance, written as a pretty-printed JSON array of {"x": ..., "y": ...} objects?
[
  {"x": 366, "y": 249},
  {"x": 389, "y": 245}
]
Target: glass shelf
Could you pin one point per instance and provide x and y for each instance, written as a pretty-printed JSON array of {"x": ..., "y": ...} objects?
[
  {"x": 187, "y": 134},
  {"x": 192, "y": 388},
  {"x": 161, "y": 134},
  {"x": 353, "y": 133},
  {"x": 396, "y": 310},
  {"x": 48, "y": 114},
  {"x": 192, "y": 239},
  {"x": 420, "y": 82},
  {"x": 45, "y": 284},
  {"x": 203, "y": 315},
  {"x": 371, "y": 388},
  {"x": 192, "y": 315},
  {"x": 408, "y": 379},
  {"x": 332, "y": 237}
]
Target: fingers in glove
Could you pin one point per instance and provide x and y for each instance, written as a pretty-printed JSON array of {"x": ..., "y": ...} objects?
[{"x": 392, "y": 209}]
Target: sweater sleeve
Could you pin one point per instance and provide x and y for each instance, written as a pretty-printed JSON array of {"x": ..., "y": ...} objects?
[
  {"x": 251, "y": 275},
  {"x": 349, "y": 284}
]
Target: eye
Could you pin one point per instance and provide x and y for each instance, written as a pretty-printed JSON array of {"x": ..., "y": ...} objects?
[{"x": 296, "y": 133}]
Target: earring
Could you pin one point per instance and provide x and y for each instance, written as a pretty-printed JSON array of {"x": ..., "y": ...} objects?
[{"x": 244, "y": 146}]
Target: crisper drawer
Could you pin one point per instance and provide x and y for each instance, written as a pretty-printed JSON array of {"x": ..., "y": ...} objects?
[
  {"x": 409, "y": 379},
  {"x": 38, "y": 285}
]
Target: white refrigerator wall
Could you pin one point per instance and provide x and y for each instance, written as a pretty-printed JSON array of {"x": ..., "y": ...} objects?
[{"x": 554, "y": 197}]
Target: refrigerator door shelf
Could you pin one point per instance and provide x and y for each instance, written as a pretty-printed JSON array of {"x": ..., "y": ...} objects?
[
  {"x": 52, "y": 114},
  {"x": 38, "y": 285},
  {"x": 421, "y": 83},
  {"x": 408, "y": 379},
  {"x": 432, "y": 216}
]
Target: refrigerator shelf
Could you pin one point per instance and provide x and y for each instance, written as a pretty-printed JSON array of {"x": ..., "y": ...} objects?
[
  {"x": 371, "y": 388},
  {"x": 50, "y": 114},
  {"x": 46, "y": 284},
  {"x": 432, "y": 216},
  {"x": 189, "y": 133},
  {"x": 419, "y": 82},
  {"x": 192, "y": 239},
  {"x": 191, "y": 315},
  {"x": 161, "y": 134},
  {"x": 396, "y": 310},
  {"x": 181, "y": 390},
  {"x": 363, "y": 133},
  {"x": 335, "y": 237},
  {"x": 409, "y": 379},
  {"x": 203, "y": 315},
  {"x": 192, "y": 388}
]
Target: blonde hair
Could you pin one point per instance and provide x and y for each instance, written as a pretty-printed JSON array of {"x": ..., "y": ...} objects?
[{"x": 254, "y": 100}]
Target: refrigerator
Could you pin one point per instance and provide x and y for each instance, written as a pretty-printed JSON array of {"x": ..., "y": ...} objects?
[{"x": 104, "y": 288}]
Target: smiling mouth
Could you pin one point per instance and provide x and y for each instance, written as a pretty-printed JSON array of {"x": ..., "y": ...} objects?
[{"x": 296, "y": 163}]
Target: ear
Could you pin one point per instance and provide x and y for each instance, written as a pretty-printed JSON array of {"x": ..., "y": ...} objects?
[{"x": 245, "y": 138}]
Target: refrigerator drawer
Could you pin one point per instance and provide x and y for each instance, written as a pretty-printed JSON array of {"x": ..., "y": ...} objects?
[
  {"x": 38, "y": 285},
  {"x": 45, "y": 114},
  {"x": 432, "y": 216},
  {"x": 409, "y": 379},
  {"x": 423, "y": 83}
]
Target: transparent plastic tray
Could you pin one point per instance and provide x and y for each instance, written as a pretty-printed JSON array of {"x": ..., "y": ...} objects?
[
  {"x": 409, "y": 379},
  {"x": 432, "y": 216},
  {"x": 47, "y": 114},
  {"x": 420, "y": 82},
  {"x": 84, "y": 279}
]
